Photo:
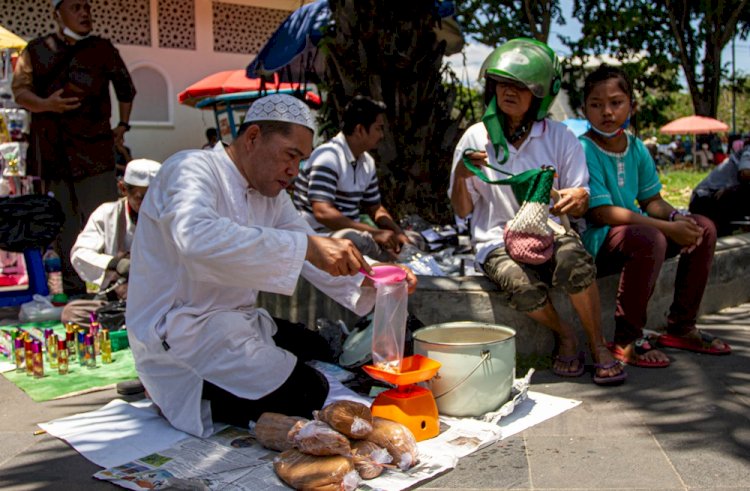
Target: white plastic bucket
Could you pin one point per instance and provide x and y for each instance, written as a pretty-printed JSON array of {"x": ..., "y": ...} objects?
[{"x": 478, "y": 365}]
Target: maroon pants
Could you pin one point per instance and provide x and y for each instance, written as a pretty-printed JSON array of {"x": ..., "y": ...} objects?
[{"x": 638, "y": 252}]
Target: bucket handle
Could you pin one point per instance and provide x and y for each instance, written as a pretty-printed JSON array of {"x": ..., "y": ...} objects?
[{"x": 485, "y": 356}]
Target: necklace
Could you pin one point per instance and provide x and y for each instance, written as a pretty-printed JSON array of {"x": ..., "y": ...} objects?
[{"x": 519, "y": 133}]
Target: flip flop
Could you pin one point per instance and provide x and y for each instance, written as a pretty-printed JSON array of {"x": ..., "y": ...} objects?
[
  {"x": 641, "y": 347},
  {"x": 568, "y": 360},
  {"x": 612, "y": 380},
  {"x": 702, "y": 345}
]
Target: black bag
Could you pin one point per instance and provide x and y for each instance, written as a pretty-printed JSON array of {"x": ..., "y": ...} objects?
[
  {"x": 28, "y": 221},
  {"x": 112, "y": 315}
]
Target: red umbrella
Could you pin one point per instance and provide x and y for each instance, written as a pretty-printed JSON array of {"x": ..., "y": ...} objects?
[
  {"x": 694, "y": 125},
  {"x": 227, "y": 82}
]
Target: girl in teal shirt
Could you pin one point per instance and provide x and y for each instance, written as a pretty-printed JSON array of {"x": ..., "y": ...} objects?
[{"x": 631, "y": 229}]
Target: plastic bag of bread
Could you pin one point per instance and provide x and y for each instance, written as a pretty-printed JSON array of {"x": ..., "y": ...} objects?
[
  {"x": 316, "y": 473},
  {"x": 397, "y": 439},
  {"x": 369, "y": 459},
  {"x": 317, "y": 438},
  {"x": 353, "y": 419},
  {"x": 272, "y": 430}
]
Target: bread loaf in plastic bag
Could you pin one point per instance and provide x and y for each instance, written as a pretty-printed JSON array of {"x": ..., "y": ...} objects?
[
  {"x": 397, "y": 439},
  {"x": 317, "y": 438},
  {"x": 272, "y": 430},
  {"x": 353, "y": 419},
  {"x": 369, "y": 458},
  {"x": 316, "y": 473}
]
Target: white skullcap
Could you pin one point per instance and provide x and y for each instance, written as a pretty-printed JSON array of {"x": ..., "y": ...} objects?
[
  {"x": 139, "y": 172},
  {"x": 281, "y": 107}
]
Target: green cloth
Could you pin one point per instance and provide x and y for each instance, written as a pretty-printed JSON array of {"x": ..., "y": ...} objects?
[
  {"x": 493, "y": 121},
  {"x": 617, "y": 180},
  {"x": 54, "y": 385}
]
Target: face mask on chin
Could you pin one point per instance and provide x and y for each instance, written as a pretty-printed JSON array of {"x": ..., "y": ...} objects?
[{"x": 74, "y": 35}]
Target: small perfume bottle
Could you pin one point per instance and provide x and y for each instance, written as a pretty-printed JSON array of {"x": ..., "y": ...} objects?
[
  {"x": 52, "y": 343},
  {"x": 105, "y": 345},
  {"x": 81, "y": 347},
  {"x": 47, "y": 334},
  {"x": 28, "y": 355},
  {"x": 19, "y": 352},
  {"x": 70, "y": 337},
  {"x": 38, "y": 359},
  {"x": 62, "y": 357},
  {"x": 94, "y": 331},
  {"x": 90, "y": 356}
]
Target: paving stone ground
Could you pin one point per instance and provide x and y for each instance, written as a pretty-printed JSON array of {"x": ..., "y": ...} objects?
[{"x": 686, "y": 427}]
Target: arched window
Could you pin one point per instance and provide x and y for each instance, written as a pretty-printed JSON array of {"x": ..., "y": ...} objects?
[{"x": 153, "y": 102}]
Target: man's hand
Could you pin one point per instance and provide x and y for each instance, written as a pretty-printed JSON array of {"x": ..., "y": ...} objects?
[
  {"x": 122, "y": 291},
  {"x": 338, "y": 257},
  {"x": 119, "y": 134},
  {"x": 56, "y": 103},
  {"x": 573, "y": 201},
  {"x": 411, "y": 278}
]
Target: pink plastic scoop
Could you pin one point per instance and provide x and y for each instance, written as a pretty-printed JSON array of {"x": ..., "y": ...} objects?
[{"x": 385, "y": 274}]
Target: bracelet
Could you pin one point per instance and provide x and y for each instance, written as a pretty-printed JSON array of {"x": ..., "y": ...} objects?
[
  {"x": 124, "y": 125},
  {"x": 673, "y": 214}
]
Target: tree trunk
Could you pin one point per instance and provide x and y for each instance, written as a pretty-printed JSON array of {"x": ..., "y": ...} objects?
[{"x": 387, "y": 49}]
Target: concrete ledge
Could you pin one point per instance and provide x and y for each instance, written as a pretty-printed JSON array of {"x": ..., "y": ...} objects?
[{"x": 446, "y": 299}]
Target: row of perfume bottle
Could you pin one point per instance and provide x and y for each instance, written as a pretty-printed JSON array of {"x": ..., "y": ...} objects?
[{"x": 29, "y": 353}]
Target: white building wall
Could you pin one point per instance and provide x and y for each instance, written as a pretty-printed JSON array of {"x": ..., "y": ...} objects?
[
  {"x": 181, "y": 68},
  {"x": 137, "y": 22}
]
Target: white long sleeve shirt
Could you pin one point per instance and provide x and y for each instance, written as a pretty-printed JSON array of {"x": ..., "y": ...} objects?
[
  {"x": 205, "y": 246},
  {"x": 108, "y": 231}
]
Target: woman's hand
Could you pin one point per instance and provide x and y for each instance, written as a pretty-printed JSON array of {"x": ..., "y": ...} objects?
[{"x": 478, "y": 159}]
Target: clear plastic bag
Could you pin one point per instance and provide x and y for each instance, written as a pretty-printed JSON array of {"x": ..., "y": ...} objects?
[
  {"x": 39, "y": 309},
  {"x": 389, "y": 325}
]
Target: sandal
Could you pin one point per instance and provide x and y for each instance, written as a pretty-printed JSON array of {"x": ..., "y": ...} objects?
[
  {"x": 702, "y": 344},
  {"x": 612, "y": 379},
  {"x": 641, "y": 346},
  {"x": 569, "y": 360},
  {"x": 615, "y": 379}
]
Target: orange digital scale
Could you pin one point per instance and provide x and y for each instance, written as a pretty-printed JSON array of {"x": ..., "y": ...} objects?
[{"x": 407, "y": 403}]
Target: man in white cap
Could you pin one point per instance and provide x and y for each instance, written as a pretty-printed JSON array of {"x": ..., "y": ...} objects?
[
  {"x": 63, "y": 79},
  {"x": 215, "y": 229},
  {"x": 101, "y": 254}
]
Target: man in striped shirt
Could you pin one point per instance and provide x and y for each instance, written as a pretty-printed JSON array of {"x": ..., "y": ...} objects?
[{"x": 339, "y": 182}]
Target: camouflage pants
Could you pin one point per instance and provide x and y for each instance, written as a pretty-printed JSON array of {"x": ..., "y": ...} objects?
[{"x": 525, "y": 287}]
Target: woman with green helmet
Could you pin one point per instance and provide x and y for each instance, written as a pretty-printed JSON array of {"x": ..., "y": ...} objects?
[{"x": 522, "y": 79}]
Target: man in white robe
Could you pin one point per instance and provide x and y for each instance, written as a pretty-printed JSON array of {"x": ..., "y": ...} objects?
[
  {"x": 214, "y": 230},
  {"x": 104, "y": 244},
  {"x": 101, "y": 253}
]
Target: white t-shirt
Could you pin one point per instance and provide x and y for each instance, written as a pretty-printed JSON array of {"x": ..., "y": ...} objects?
[{"x": 548, "y": 143}]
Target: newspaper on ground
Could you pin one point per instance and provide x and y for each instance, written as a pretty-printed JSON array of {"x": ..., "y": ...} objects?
[{"x": 140, "y": 450}]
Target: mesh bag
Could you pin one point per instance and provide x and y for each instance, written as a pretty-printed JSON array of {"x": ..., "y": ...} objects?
[{"x": 528, "y": 237}]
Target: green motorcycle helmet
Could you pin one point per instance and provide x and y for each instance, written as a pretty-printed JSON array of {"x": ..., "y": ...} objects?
[{"x": 529, "y": 62}]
